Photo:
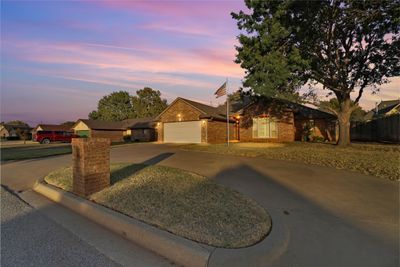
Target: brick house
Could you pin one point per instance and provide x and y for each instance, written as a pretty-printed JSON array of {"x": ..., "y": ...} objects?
[
  {"x": 142, "y": 129},
  {"x": 263, "y": 120},
  {"x": 14, "y": 131}
]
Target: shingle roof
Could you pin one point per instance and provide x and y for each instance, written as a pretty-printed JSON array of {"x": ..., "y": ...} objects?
[
  {"x": 54, "y": 127},
  {"x": 103, "y": 125},
  {"x": 139, "y": 123},
  {"x": 305, "y": 112},
  {"x": 219, "y": 113},
  {"x": 300, "y": 111},
  {"x": 383, "y": 108},
  {"x": 388, "y": 104}
]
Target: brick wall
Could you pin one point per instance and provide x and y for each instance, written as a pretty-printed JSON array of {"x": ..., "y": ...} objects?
[
  {"x": 160, "y": 132},
  {"x": 186, "y": 111},
  {"x": 216, "y": 132},
  {"x": 143, "y": 135},
  {"x": 283, "y": 117},
  {"x": 91, "y": 165},
  {"x": 204, "y": 127},
  {"x": 113, "y": 135}
]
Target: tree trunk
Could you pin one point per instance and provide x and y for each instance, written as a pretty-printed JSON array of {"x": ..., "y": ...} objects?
[{"x": 344, "y": 123}]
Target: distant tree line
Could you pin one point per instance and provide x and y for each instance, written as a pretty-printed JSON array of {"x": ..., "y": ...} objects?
[{"x": 120, "y": 105}]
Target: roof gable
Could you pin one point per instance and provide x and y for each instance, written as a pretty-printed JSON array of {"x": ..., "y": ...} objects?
[{"x": 174, "y": 103}]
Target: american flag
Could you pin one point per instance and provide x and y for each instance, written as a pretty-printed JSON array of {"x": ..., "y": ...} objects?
[{"x": 221, "y": 91}]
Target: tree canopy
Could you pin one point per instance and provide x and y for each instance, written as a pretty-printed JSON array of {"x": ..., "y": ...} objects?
[
  {"x": 347, "y": 46},
  {"x": 18, "y": 123},
  {"x": 120, "y": 105},
  {"x": 116, "y": 106},
  {"x": 148, "y": 103}
]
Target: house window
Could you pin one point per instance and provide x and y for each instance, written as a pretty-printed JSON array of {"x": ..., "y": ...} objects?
[{"x": 265, "y": 128}]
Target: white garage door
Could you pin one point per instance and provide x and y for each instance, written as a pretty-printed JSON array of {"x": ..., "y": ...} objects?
[{"x": 182, "y": 132}]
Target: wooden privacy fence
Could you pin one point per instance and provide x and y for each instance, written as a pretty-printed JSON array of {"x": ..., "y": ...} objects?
[{"x": 386, "y": 129}]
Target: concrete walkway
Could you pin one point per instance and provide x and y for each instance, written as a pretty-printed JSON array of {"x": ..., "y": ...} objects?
[{"x": 325, "y": 217}]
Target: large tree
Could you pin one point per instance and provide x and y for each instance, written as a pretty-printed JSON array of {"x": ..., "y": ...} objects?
[
  {"x": 116, "y": 106},
  {"x": 148, "y": 103},
  {"x": 119, "y": 106},
  {"x": 332, "y": 106},
  {"x": 346, "y": 46}
]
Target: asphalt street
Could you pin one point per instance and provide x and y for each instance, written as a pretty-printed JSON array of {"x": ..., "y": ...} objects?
[{"x": 30, "y": 239}]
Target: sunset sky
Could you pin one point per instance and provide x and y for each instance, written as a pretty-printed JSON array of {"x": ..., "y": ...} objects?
[{"x": 59, "y": 58}]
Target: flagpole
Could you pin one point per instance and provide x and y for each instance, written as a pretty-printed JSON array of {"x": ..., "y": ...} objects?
[{"x": 227, "y": 111}]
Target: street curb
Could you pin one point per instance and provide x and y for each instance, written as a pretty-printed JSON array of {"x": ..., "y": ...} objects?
[{"x": 175, "y": 248}]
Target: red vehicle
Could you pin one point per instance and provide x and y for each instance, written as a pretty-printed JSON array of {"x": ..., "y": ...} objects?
[{"x": 46, "y": 137}]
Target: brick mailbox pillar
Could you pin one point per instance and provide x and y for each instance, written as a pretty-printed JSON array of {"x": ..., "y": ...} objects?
[{"x": 91, "y": 165}]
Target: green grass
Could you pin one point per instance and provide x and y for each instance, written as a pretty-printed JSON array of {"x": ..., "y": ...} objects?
[
  {"x": 29, "y": 151},
  {"x": 372, "y": 159},
  {"x": 20, "y": 151},
  {"x": 181, "y": 202}
]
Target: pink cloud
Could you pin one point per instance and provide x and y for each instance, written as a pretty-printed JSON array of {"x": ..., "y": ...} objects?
[
  {"x": 189, "y": 30},
  {"x": 215, "y": 62},
  {"x": 178, "y": 8}
]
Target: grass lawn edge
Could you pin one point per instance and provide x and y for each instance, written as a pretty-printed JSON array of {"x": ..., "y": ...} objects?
[
  {"x": 379, "y": 163},
  {"x": 249, "y": 240}
]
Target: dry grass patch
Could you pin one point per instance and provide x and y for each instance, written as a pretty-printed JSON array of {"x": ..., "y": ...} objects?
[
  {"x": 181, "y": 202},
  {"x": 372, "y": 159}
]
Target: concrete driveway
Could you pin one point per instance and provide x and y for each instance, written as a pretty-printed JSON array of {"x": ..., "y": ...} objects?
[{"x": 331, "y": 217}]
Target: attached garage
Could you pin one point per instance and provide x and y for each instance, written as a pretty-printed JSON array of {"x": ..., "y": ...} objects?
[
  {"x": 187, "y": 121},
  {"x": 182, "y": 132}
]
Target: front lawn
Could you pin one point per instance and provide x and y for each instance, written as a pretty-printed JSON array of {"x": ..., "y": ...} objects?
[
  {"x": 19, "y": 151},
  {"x": 181, "y": 202},
  {"x": 33, "y": 150},
  {"x": 372, "y": 159}
]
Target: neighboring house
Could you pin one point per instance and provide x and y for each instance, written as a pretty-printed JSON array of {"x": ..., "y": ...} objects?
[
  {"x": 7, "y": 131},
  {"x": 134, "y": 129},
  {"x": 141, "y": 129},
  {"x": 14, "y": 131},
  {"x": 51, "y": 127},
  {"x": 97, "y": 128},
  {"x": 264, "y": 120},
  {"x": 384, "y": 108}
]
